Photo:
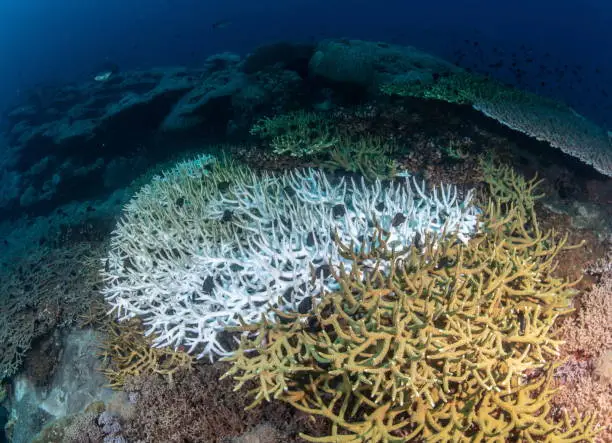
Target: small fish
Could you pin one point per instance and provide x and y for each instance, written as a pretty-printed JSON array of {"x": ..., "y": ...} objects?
[
  {"x": 103, "y": 76},
  {"x": 521, "y": 319},
  {"x": 221, "y": 24}
]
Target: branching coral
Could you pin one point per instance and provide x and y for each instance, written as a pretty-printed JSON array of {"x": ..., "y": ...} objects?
[
  {"x": 311, "y": 134},
  {"x": 127, "y": 352},
  {"x": 509, "y": 188},
  {"x": 197, "y": 407},
  {"x": 584, "y": 379},
  {"x": 444, "y": 343},
  {"x": 368, "y": 156},
  {"x": 209, "y": 242},
  {"x": 590, "y": 333},
  {"x": 47, "y": 289},
  {"x": 298, "y": 134}
]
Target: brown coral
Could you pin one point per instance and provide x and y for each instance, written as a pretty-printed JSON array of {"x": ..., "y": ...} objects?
[
  {"x": 590, "y": 332},
  {"x": 127, "y": 352},
  {"x": 197, "y": 407},
  {"x": 584, "y": 380},
  {"x": 44, "y": 290},
  {"x": 75, "y": 428}
]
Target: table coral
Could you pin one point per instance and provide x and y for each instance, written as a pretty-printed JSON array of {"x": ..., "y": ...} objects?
[{"x": 538, "y": 117}]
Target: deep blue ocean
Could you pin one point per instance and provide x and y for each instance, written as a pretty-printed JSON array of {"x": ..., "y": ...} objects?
[{"x": 45, "y": 42}]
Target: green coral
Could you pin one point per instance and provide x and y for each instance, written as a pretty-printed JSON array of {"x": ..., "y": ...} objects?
[
  {"x": 466, "y": 88},
  {"x": 450, "y": 342},
  {"x": 298, "y": 134},
  {"x": 368, "y": 156},
  {"x": 453, "y": 88},
  {"x": 310, "y": 134}
]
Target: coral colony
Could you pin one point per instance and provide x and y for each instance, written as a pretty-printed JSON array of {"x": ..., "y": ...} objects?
[{"x": 206, "y": 244}]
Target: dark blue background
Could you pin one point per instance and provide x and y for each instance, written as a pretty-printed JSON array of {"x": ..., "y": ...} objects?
[{"x": 64, "y": 40}]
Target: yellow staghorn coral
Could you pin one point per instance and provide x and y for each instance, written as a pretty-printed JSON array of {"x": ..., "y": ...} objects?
[
  {"x": 126, "y": 352},
  {"x": 507, "y": 187},
  {"x": 439, "y": 343}
]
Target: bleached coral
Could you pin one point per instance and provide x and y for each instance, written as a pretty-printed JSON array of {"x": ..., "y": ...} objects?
[{"x": 209, "y": 243}]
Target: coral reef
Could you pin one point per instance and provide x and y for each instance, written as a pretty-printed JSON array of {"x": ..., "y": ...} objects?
[
  {"x": 209, "y": 242},
  {"x": 447, "y": 342},
  {"x": 373, "y": 307},
  {"x": 538, "y": 117},
  {"x": 56, "y": 134}
]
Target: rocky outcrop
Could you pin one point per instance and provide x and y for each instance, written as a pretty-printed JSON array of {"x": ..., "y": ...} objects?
[{"x": 64, "y": 142}]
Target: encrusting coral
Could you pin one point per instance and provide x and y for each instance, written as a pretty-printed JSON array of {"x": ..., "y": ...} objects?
[{"x": 443, "y": 341}]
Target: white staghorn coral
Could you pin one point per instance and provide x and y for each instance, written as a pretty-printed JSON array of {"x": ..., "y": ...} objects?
[{"x": 209, "y": 243}]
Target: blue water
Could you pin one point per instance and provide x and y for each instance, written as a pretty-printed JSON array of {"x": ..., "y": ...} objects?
[{"x": 562, "y": 49}]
